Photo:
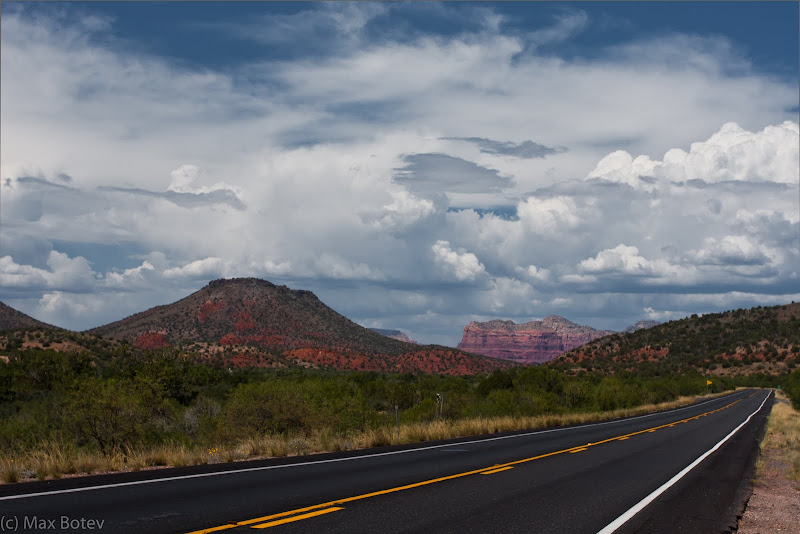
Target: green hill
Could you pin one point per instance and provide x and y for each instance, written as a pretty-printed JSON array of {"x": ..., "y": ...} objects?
[{"x": 743, "y": 341}]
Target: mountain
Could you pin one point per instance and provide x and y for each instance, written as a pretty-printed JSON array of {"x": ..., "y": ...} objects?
[
  {"x": 247, "y": 321},
  {"x": 639, "y": 325},
  {"x": 244, "y": 311},
  {"x": 394, "y": 334},
  {"x": 743, "y": 341},
  {"x": 532, "y": 342},
  {"x": 11, "y": 319}
]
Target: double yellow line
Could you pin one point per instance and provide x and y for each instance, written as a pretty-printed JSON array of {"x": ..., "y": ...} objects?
[{"x": 307, "y": 512}]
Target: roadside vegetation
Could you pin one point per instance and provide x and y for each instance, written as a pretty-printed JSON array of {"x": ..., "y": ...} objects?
[
  {"x": 783, "y": 436},
  {"x": 65, "y": 413}
]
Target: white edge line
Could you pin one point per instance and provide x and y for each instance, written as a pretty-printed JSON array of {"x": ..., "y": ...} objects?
[
  {"x": 349, "y": 458},
  {"x": 621, "y": 520}
]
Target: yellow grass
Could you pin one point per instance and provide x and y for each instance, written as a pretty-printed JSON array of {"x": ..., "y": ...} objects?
[
  {"x": 53, "y": 460},
  {"x": 783, "y": 433}
]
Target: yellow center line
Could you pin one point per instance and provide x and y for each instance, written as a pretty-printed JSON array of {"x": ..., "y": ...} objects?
[
  {"x": 495, "y": 468},
  {"x": 493, "y": 471},
  {"x": 298, "y": 517},
  {"x": 573, "y": 451}
]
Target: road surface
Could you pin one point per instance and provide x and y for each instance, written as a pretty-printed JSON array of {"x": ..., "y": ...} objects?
[{"x": 676, "y": 471}]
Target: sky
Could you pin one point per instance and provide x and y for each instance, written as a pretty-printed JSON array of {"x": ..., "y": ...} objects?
[{"x": 417, "y": 165}]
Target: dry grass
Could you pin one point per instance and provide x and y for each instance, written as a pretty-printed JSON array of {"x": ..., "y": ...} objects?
[
  {"x": 53, "y": 460},
  {"x": 9, "y": 470},
  {"x": 438, "y": 430},
  {"x": 783, "y": 433}
]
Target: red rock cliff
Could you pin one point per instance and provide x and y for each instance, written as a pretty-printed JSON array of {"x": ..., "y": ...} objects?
[{"x": 533, "y": 342}]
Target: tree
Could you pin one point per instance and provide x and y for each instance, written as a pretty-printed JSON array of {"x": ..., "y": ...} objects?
[{"x": 115, "y": 413}]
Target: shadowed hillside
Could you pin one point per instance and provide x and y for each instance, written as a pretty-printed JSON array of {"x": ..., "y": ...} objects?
[
  {"x": 760, "y": 339},
  {"x": 11, "y": 319}
]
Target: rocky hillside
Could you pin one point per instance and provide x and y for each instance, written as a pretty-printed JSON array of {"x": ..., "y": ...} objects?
[
  {"x": 249, "y": 311},
  {"x": 532, "y": 342},
  {"x": 760, "y": 339},
  {"x": 248, "y": 321},
  {"x": 11, "y": 319},
  {"x": 394, "y": 334},
  {"x": 56, "y": 339}
]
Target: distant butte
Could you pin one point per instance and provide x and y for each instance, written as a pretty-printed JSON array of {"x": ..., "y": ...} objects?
[{"x": 532, "y": 342}]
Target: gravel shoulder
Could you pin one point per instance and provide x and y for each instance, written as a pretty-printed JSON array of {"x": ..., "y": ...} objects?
[{"x": 774, "y": 505}]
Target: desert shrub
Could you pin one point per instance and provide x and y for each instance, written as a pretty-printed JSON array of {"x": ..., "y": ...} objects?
[
  {"x": 497, "y": 380},
  {"x": 114, "y": 414},
  {"x": 792, "y": 388},
  {"x": 268, "y": 407}
]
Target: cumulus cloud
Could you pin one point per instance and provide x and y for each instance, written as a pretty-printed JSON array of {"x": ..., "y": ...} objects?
[
  {"x": 57, "y": 304},
  {"x": 404, "y": 210},
  {"x": 205, "y": 268},
  {"x": 135, "y": 276},
  {"x": 462, "y": 265},
  {"x": 731, "y": 154},
  {"x": 63, "y": 272},
  {"x": 545, "y": 215},
  {"x": 624, "y": 259},
  {"x": 734, "y": 250},
  {"x": 182, "y": 178},
  {"x": 621, "y": 167},
  {"x": 532, "y": 272},
  {"x": 509, "y": 296},
  {"x": 13, "y": 275},
  {"x": 338, "y": 161}
]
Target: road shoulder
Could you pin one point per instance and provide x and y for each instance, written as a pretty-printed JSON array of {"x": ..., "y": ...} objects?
[{"x": 774, "y": 505}]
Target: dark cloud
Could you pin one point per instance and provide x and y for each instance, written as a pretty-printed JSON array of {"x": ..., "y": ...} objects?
[
  {"x": 186, "y": 200},
  {"x": 380, "y": 111},
  {"x": 526, "y": 149},
  {"x": 31, "y": 182},
  {"x": 439, "y": 173},
  {"x": 507, "y": 213}
]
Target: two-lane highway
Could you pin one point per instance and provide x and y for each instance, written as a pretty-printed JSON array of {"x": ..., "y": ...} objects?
[{"x": 672, "y": 471}]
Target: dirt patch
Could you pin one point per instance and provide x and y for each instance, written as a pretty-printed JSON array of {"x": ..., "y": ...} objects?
[{"x": 775, "y": 503}]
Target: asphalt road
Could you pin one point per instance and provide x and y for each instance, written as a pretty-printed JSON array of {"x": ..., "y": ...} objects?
[{"x": 576, "y": 479}]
